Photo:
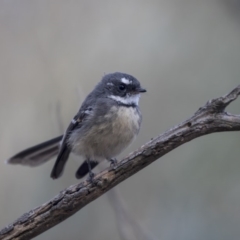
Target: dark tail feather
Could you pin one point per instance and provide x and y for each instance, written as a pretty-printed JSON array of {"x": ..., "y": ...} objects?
[
  {"x": 37, "y": 155},
  {"x": 83, "y": 169},
  {"x": 60, "y": 162}
]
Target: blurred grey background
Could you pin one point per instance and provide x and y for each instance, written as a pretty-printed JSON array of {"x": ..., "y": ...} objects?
[{"x": 184, "y": 52}]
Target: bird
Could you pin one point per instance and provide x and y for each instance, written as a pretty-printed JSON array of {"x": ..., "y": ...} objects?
[{"x": 108, "y": 120}]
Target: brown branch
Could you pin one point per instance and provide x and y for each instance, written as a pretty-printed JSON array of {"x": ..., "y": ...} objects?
[{"x": 208, "y": 119}]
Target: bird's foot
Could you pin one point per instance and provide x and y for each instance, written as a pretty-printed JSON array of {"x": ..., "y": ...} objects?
[
  {"x": 113, "y": 162},
  {"x": 91, "y": 178}
]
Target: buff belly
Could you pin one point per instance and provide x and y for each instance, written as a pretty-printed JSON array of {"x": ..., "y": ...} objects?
[{"x": 110, "y": 135}]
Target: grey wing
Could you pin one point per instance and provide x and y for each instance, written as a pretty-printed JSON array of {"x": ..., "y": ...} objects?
[{"x": 66, "y": 148}]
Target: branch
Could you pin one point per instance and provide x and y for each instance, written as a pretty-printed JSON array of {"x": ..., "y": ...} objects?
[{"x": 208, "y": 119}]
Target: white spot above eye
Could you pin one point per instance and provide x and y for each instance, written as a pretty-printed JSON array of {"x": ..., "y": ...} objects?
[
  {"x": 128, "y": 100},
  {"x": 110, "y": 84},
  {"x": 126, "y": 81}
]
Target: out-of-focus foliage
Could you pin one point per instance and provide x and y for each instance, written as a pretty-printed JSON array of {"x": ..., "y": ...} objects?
[{"x": 183, "y": 52}]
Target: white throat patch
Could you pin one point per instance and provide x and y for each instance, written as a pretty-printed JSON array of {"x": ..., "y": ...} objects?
[{"x": 128, "y": 100}]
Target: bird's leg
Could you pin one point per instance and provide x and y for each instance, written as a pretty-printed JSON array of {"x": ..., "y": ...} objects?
[
  {"x": 113, "y": 162},
  {"x": 91, "y": 174}
]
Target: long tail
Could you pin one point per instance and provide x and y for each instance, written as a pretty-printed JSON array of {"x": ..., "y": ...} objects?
[
  {"x": 37, "y": 155},
  {"x": 60, "y": 161}
]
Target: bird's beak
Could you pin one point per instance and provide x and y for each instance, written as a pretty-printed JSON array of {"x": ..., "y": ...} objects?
[{"x": 141, "y": 90}]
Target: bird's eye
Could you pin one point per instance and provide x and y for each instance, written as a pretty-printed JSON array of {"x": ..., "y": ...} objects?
[{"x": 122, "y": 87}]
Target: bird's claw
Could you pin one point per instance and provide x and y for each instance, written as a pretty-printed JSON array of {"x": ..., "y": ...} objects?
[{"x": 113, "y": 162}]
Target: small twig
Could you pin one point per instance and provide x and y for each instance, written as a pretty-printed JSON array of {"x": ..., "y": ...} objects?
[
  {"x": 128, "y": 227},
  {"x": 208, "y": 119}
]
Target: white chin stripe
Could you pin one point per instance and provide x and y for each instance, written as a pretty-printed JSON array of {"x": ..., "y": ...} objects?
[
  {"x": 134, "y": 99},
  {"x": 125, "y": 81}
]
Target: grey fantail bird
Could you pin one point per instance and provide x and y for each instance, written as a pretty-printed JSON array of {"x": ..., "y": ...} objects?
[{"x": 107, "y": 122}]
